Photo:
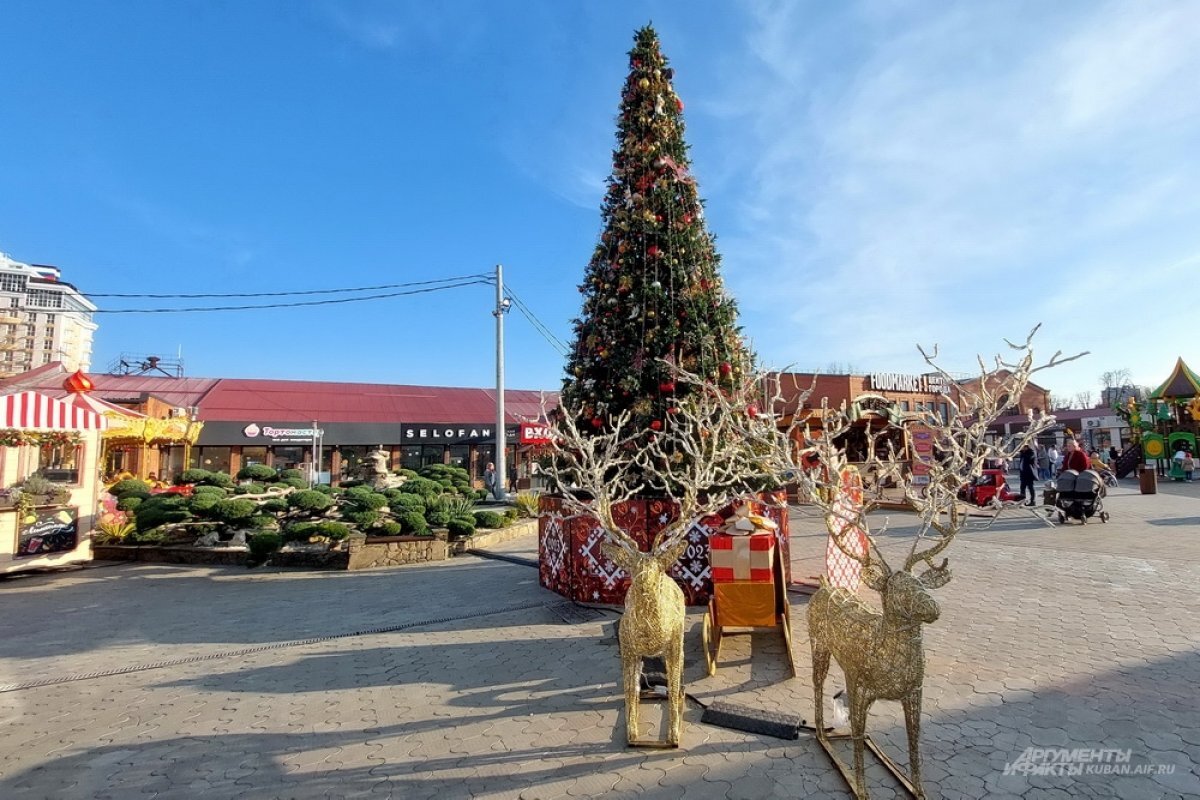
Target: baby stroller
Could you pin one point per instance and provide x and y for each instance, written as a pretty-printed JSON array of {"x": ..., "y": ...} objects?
[{"x": 1078, "y": 495}]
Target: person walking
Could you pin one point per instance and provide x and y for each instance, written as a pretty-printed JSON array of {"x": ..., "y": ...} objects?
[
  {"x": 1043, "y": 462},
  {"x": 1055, "y": 459},
  {"x": 1189, "y": 465},
  {"x": 489, "y": 479},
  {"x": 1027, "y": 459}
]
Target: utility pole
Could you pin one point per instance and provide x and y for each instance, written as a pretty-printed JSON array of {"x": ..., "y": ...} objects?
[{"x": 502, "y": 304}]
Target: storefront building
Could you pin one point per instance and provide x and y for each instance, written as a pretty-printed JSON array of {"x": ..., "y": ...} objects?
[{"x": 307, "y": 424}]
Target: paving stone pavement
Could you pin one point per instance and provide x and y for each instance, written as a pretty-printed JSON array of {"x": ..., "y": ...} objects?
[{"x": 1076, "y": 637}]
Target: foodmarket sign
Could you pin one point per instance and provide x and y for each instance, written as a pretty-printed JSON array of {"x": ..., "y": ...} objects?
[{"x": 917, "y": 384}]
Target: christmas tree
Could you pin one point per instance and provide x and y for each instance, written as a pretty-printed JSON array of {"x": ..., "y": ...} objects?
[{"x": 653, "y": 300}]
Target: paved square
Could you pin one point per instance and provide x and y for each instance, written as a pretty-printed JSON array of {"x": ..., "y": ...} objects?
[{"x": 456, "y": 679}]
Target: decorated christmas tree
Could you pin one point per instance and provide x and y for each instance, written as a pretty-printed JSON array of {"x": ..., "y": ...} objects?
[{"x": 653, "y": 299}]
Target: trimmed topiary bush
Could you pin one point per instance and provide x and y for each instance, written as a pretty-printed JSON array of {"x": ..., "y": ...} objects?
[
  {"x": 295, "y": 483},
  {"x": 215, "y": 491},
  {"x": 413, "y": 523},
  {"x": 276, "y": 505},
  {"x": 421, "y": 486},
  {"x": 409, "y": 502},
  {"x": 325, "y": 488},
  {"x": 264, "y": 522},
  {"x": 488, "y": 519},
  {"x": 222, "y": 479},
  {"x": 130, "y": 487},
  {"x": 362, "y": 518},
  {"x": 460, "y": 528},
  {"x": 389, "y": 528},
  {"x": 309, "y": 500},
  {"x": 511, "y": 515},
  {"x": 161, "y": 509},
  {"x": 408, "y": 473},
  {"x": 233, "y": 510},
  {"x": 292, "y": 473},
  {"x": 130, "y": 502},
  {"x": 480, "y": 494},
  {"x": 193, "y": 475},
  {"x": 203, "y": 504},
  {"x": 438, "y": 519},
  {"x": 365, "y": 498},
  {"x": 257, "y": 473},
  {"x": 263, "y": 544},
  {"x": 333, "y": 531},
  {"x": 249, "y": 488},
  {"x": 299, "y": 531}
]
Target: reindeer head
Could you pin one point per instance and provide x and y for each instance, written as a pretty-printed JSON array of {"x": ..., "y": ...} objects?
[
  {"x": 646, "y": 569},
  {"x": 905, "y": 595}
]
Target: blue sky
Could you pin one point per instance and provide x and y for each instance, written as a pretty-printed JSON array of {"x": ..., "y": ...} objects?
[{"x": 877, "y": 174}]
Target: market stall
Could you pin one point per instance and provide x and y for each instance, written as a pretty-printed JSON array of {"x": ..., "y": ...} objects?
[{"x": 49, "y": 468}]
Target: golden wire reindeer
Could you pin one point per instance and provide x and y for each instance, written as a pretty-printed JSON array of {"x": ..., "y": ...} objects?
[
  {"x": 696, "y": 462},
  {"x": 882, "y": 654}
]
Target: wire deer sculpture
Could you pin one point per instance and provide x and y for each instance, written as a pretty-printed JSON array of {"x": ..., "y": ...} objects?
[
  {"x": 696, "y": 463},
  {"x": 882, "y": 654}
]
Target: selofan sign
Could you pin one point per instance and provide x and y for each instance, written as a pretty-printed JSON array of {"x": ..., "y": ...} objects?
[{"x": 450, "y": 433}]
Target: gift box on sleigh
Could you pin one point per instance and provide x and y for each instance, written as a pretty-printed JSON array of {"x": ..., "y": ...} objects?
[{"x": 746, "y": 579}]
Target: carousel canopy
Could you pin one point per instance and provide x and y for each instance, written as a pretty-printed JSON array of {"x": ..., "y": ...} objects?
[
  {"x": 1182, "y": 383},
  {"x": 31, "y": 411}
]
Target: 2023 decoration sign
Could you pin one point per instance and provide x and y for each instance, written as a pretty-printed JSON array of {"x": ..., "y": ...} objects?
[{"x": 51, "y": 531}]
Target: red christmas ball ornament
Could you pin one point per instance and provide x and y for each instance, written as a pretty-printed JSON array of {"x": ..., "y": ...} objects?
[
  {"x": 672, "y": 410},
  {"x": 679, "y": 105},
  {"x": 652, "y": 251},
  {"x": 666, "y": 387},
  {"x": 726, "y": 369},
  {"x": 597, "y": 422},
  {"x": 687, "y": 219},
  {"x": 752, "y": 411},
  {"x": 656, "y": 425}
]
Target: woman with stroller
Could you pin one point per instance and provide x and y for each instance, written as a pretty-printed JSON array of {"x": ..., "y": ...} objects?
[
  {"x": 1074, "y": 457},
  {"x": 1027, "y": 459}
]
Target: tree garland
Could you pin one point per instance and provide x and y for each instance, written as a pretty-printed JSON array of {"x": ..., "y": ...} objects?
[{"x": 15, "y": 437}]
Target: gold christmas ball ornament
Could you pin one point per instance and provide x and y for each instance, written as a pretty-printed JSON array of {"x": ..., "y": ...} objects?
[{"x": 644, "y": 83}]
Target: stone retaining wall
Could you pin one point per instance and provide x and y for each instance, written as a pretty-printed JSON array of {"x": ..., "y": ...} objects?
[
  {"x": 159, "y": 554},
  {"x": 484, "y": 539},
  {"x": 394, "y": 551}
]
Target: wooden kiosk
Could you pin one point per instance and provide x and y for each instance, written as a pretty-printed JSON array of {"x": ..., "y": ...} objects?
[{"x": 60, "y": 443}]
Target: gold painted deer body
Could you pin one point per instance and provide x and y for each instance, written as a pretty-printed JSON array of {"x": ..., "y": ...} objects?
[
  {"x": 882, "y": 655},
  {"x": 653, "y": 625}
]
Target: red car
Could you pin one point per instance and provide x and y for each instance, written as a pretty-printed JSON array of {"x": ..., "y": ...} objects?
[{"x": 991, "y": 484}]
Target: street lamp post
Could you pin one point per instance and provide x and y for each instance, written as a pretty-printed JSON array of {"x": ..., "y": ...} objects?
[{"x": 502, "y": 305}]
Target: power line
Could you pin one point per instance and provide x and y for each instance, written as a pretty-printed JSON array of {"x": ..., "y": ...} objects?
[
  {"x": 537, "y": 324},
  {"x": 285, "y": 305},
  {"x": 288, "y": 294}
]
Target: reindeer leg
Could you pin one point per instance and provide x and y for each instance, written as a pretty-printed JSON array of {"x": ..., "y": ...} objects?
[
  {"x": 912, "y": 724},
  {"x": 631, "y": 667},
  {"x": 859, "y": 705},
  {"x": 820, "y": 668},
  {"x": 673, "y": 656}
]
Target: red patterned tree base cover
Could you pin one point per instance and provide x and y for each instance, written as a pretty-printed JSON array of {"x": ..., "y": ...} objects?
[{"x": 570, "y": 561}]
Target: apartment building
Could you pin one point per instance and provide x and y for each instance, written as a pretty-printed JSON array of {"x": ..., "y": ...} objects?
[{"x": 42, "y": 319}]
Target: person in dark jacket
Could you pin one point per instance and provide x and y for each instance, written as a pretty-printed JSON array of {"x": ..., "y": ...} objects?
[{"x": 1028, "y": 460}]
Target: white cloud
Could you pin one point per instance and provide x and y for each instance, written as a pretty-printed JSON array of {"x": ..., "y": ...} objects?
[{"x": 958, "y": 173}]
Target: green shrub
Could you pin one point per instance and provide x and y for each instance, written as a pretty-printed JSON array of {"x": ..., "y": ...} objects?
[
  {"x": 459, "y": 506},
  {"x": 161, "y": 509},
  {"x": 480, "y": 494},
  {"x": 276, "y": 505},
  {"x": 325, "y": 488},
  {"x": 292, "y": 473},
  {"x": 264, "y": 522},
  {"x": 193, "y": 475},
  {"x": 215, "y": 491},
  {"x": 299, "y": 532},
  {"x": 296, "y": 483},
  {"x": 333, "y": 531},
  {"x": 413, "y": 523},
  {"x": 257, "y": 472},
  {"x": 421, "y": 486},
  {"x": 409, "y": 502},
  {"x": 222, "y": 479},
  {"x": 233, "y": 510},
  {"x": 460, "y": 528},
  {"x": 130, "y": 502},
  {"x": 363, "y": 518},
  {"x": 488, "y": 519},
  {"x": 263, "y": 544},
  {"x": 309, "y": 500},
  {"x": 249, "y": 488},
  {"x": 439, "y": 472},
  {"x": 511, "y": 515},
  {"x": 408, "y": 473},
  {"x": 438, "y": 519},
  {"x": 203, "y": 504},
  {"x": 389, "y": 528},
  {"x": 526, "y": 504},
  {"x": 130, "y": 487}
]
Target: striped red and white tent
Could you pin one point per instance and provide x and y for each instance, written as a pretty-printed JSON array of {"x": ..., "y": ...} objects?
[{"x": 31, "y": 411}]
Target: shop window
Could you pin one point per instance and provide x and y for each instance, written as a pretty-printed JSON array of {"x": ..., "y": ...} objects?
[
  {"x": 432, "y": 454},
  {"x": 352, "y": 459},
  {"x": 459, "y": 455},
  {"x": 288, "y": 457},
  {"x": 214, "y": 459},
  {"x": 253, "y": 455},
  {"x": 59, "y": 462},
  {"x": 483, "y": 454},
  {"x": 904, "y": 405},
  {"x": 410, "y": 456},
  {"x": 945, "y": 411}
]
